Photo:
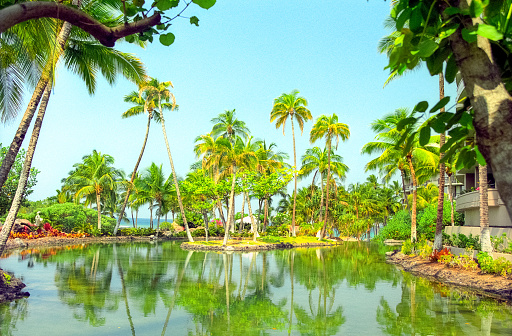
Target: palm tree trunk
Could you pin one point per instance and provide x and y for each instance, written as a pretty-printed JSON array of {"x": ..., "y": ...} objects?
[
  {"x": 151, "y": 214},
  {"x": 221, "y": 213},
  {"x": 22, "y": 184},
  {"x": 485, "y": 233},
  {"x": 39, "y": 90},
  {"x": 241, "y": 225},
  {"x": 295, "y": 177},
  {"x": 438, "y": 239},
  {"x": 230, "y": 210},
  {"x": 324, "y": 227},
  {"x": 414, "y": 198},
  {"x": 450, "y": 195},
  {"x": 265, "y": 219},
  {"x": 321, "y": 196},
  {"x": 402, "y": 174},
  {"x": 254, "y": 223},
  {"x": 98, "y": 206},
  {"x": 134, "y": 173},
  {"x": 180, "y": 203},
  {"x": 136, "y": 217}
]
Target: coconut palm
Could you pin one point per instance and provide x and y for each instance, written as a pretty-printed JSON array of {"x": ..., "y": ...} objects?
[
  {"x": 316, "y": 160},
  {"x": 94, "y": 176},
  {"x": 160, "y": 92},
  {"x": 227, "y": 126},
  {"x": 329, "y": 128},
  {"x": 388, "y": 143},
  {"x": 291, "y": 106}
]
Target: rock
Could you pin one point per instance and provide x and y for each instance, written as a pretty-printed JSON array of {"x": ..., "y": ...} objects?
[
  {"x": 20, "y": 243},
  {"x": 11, "y": 287},
  {"x": 390, "y": 253}
]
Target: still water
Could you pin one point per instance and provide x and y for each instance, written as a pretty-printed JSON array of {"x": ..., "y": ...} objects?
[{"x": 158, "y": 289}]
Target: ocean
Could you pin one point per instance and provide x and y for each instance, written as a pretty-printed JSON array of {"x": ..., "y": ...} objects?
[{"x": 142, "y": 222}]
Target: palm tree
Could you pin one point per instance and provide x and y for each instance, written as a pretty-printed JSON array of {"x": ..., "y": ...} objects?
[
  {"x": 316, "y": 160},
  {"x": 94, "y": 176},
  {"x": 485, "y": 233},
  {"x": 329, "y": 128},
  {"x": 160, "y": 92},
  {"x": 392, "y": 156},
  {"x": 227, "y": 126},
  {"x": 141, "y": 106},
  {"x": 292, "y": 106}
]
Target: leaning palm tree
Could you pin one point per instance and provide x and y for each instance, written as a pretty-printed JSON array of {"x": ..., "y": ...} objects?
[
  {"x": 395, "y": 154},
  {"x": 292, "y": 106},
  {"x": 329, "y": 128},
  {"x": 159, "y": 91}
]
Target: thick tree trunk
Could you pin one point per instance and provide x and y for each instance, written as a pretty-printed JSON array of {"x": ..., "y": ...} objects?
[
  {"x": 295, "y": 178},
  {"x": 180, "y": 203},
  {"x": 450, "y": 195},
  {"x": 414, "y": 198},
  {"x": 438, "y": 238},
  {"x": 491, "y": 102},
  {"x": 98, "y": 207},
  {"x": 205, "y": 219},
  {"x": 134, "y": 173},
  {"x": 22, "y": 184},
  {"x": 485, "y": 233},
  {"x": 324, "y": 227}
]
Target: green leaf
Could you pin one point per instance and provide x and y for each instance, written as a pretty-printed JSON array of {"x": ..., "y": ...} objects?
[
  {"x": 405, "y": 122},
  {"x": 438, "y": 125},
  {"x": 469, "y": 36},
  {"x": 402, "y": 18},
  {"x": 206, "y": 4},
  {"x": 476, "y": 8},
  {"x": 479, "y": 157},
  {"x": 448, "y": 30},
  {"x": 422, "y": 106},
  {"x": 194, "y": 20},
  {"x": 416, "y": 19},
  {"x": 451, "y": 11},
  {"x": 489, "y": 32},
  {"x": 440, "y": 104},
  {"x": 451, "y": 69},
  {"x": 424, "y": 135},
  {"x": 167, "y": 39},
  {"x": 130, "y": 38},
  {"x": 164, "y": 5},
  {"x": 427, "y": 48}
]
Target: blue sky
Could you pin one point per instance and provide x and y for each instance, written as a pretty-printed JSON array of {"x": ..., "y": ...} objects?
[{"x": 243, "y": 55}]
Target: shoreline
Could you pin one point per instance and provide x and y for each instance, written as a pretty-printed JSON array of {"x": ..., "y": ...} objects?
[{"x": 494, "y": 286}]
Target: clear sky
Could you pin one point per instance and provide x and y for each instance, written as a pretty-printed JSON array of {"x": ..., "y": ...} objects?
[{"x": 243, "y": 55}]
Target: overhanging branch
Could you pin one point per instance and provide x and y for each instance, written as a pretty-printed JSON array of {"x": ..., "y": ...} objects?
[{"x": 107, "y": 36}]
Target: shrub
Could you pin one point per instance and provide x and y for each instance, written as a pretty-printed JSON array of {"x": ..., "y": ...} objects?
[
  {"x": 194, "y": 219},
  {"x": 489, "y": 265},
  {"x": 463, "y": 241},
  {"x": 166, "y": 226},
  {"x": 438, "y": 255},
  {"x": 398, "y": 227},
  {"x": 140, "y": 232}
]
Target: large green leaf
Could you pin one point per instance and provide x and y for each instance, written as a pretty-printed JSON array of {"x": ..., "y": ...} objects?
[
  {"x": 402, "y": 18},
  {"x": 476, "y": 8},
  {"x": 424, "y": 135},
  {"x": 164, "y": 5},
  {"x": 479, "y": 157},
  {"x": 422, "y": 106},
  {"x": 167, "y": 39},
  {"x": 440, "y": 104},
  {"x": 451, "y": 69},
  {"x": 468, "y": 35},
  {"x": 405, "y": 122},
  {"x": 416, "y": 19},
  {"x": 489, "y": 32},
  {"x": 426, "y": 48},
  {"x": 206, "y": 4}
]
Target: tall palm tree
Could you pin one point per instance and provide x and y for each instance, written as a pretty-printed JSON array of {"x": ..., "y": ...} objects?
[
  {"x": 485, "y": 233},
  {"x": 316, "y": 160},
  {"x": 329, "y": 128},
  {"x": 141, "y": 105},
  {"x": 83, "y": 55},
  {"x": 160, "y": 92},
  {"x": 94, "y": 176},
  {"x": 393, "y": 151},
  {"x": 291, "y": 106}
]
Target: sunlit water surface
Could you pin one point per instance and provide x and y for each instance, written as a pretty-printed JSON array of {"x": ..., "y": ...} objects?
[{"x": 159, "y": 289}]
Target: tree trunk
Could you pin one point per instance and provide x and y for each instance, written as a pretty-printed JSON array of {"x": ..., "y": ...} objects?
[
  {"x": 321, "y": 196},
  {"x": 414, "y": 198},
  {"x": 221, "y": 213},
  {"x": 98, "y": 207},
  {"x": 485, "y": 233},
  {"x": 241, "y": 225},
  {"x": 205, "y": 219},
  {"x": 134, "y": 173},
  {"x": 324, "y": 227},
  {"x": 450, "y": 195},
  {"x": 295, "y": 177},
  {"x": 230, "y": 210},
  {"x": 253, "y": 222},
  {"x": 491, "y": 102},
  {"x": 39, "y": 90},
  {"x": 180, "y": 203},
  {"x": 22, "y": 184},
  {"x": 136, "y": 217},
  {"x": 151, "y": 215},
  {"x": 438, "y": 239},
  {"x": 402, "y": 174}
]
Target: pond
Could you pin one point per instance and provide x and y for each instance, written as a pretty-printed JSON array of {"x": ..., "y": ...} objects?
[{"x": 159, "y": 289}]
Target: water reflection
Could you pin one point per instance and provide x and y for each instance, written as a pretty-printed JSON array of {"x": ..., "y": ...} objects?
[{"x": 160, "y": 289}]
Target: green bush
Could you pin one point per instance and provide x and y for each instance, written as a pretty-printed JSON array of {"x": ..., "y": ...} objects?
[
  {"x": 194, "y": 219},
  {"x": 166, "y": 226},
  {"x": 274, "y": 230},
  {"x": 139, "y": 232},
  {"x": 462, "y": 241},
  {"x": 494, "y": 266},
  {"x": 398, "y": 227}
]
